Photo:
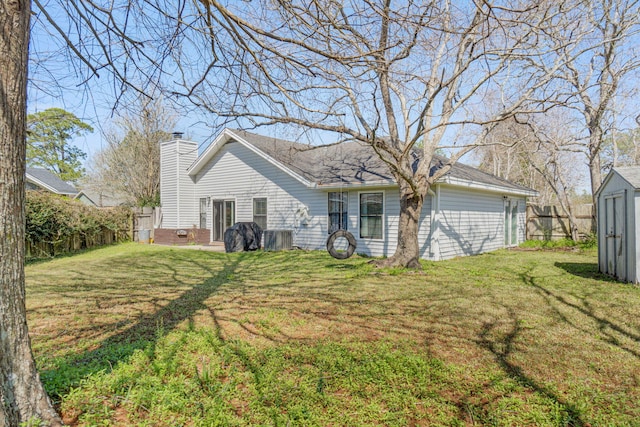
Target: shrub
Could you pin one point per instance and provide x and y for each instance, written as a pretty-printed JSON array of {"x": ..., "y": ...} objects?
[{"x": 56, "y": 224}]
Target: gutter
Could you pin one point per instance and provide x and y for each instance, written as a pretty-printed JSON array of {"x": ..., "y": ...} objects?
[{"x": 488, "y": 187}]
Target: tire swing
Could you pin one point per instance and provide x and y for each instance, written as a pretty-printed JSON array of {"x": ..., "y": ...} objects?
[{"x": 332, "y": 240}]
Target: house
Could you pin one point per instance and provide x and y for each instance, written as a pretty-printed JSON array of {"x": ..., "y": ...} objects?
[
  {"x": 44, "y": 180},
  {"x": 99, "y": 198},
  {"x": 283, "y": 185},
  {"x": 618, "y": 208}
]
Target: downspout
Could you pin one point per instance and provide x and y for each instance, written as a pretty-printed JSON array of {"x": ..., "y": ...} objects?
[{"x": 434, "y": 245}]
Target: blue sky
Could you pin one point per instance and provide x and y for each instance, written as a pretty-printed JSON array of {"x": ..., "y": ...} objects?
[{"x": 59, "y": 80}]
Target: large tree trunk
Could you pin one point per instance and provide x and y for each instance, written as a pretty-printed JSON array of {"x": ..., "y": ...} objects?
[
  {"x": 595, "y": 171},
  {"x": 407, "y": 252},
  {"x": 573, "y": 222},
  {"x": 22, "y": 397}
]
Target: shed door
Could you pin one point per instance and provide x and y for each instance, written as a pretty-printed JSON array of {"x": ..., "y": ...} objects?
[{"x": 616, "y": 246}]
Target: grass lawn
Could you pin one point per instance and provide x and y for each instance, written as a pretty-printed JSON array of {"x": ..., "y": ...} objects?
[{"x": 157, "y": 336}]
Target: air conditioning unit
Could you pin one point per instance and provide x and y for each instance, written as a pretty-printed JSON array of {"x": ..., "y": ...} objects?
[{"x": 277, "y": 240}]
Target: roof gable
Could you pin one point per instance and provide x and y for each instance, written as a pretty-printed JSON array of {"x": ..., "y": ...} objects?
[
  {"x": 228, "y": 135},
  {"x": 631, "y": 174},
  {"x": 345, "y": 164},
  {"x": 49, "y": 181}
]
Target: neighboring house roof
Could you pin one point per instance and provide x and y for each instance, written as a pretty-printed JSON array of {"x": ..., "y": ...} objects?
[
  {"x": 101, "y": 199},
  {"x": 49, "y": 181},
  {"x": 84, "y": 198},
  {"x": 346, "y": 164}
]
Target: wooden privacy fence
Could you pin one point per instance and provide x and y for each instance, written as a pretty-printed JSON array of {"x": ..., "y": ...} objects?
[
  {"x": 144, "y": 224},
  {"x": 75, "y": 243},
  {"x": 550, "y": 222}
]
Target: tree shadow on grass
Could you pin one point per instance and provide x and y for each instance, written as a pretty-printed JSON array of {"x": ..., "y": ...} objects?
[
  {"x": 501, "y": 346},
  {"x": 588, "y": 270},
  {"x": 610, "y": 330},
  {"x": 140, "y": 336}
]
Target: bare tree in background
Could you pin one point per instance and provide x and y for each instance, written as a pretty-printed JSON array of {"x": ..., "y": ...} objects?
[
  {"x": 597, "y": 68},
  {"x": 621, "y": 149},
  {"x": 553, "y": 157},
  {"x": 540, "y": 153},
  {"x": 506, "y": 152},
  {"x": 406, "y": 79},
  {"x": 129, "y": 167}
]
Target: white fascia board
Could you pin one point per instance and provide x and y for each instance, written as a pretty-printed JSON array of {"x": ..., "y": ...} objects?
[
  {"x": 447, "y": 180},
  {"x": 606, "y": 180},
  {"x": 46, "y": 186},
  {"x": 227, "y": 135},
  {"x": 487, "y": 187},
  {"x": 41, "y": 184},
  {"x": 351, "y": 185},
  {"x": 208, "y": 154}
]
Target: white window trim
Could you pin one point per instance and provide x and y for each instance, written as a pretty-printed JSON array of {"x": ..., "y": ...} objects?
[
  {"x": 253, "y": 208},
  {"x": 223, "y": 200},
  {"x": 384, "y": 215},
  {"x": 347, "y": 208},
  {"x": 511, "y": 201}
]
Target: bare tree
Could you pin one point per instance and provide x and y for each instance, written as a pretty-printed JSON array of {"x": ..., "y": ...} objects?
[
  {"x": 540, "y": 153},
  {"x": 621, "y": 149},
  {"x": 406, "y": 79},
  {"x": 597, "y": 68},
  {"x": 507, "y": 152},
  {"x": 129, "y": 167},
  {"x": 553, "y": 157}
]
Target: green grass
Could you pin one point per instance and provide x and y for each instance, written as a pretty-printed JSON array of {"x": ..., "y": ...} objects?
[{"x": 156, "y": 336}]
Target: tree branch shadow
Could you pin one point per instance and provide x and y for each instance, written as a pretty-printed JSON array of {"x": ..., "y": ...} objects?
[
  {"x": 607, "y": 327},
  {"x": 142, "y": 335},
  {"x": 502, "y": 348}
]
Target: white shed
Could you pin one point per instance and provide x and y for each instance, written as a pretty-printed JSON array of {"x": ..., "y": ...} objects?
[{"x": 618, "y": 204}]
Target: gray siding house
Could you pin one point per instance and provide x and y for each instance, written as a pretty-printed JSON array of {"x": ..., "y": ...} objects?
[
  {"x": 283, "y": 185},
  {"x": 618, "y": 205}
]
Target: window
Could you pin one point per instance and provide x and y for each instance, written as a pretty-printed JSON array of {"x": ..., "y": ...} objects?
[
  {"x": 203, "y": 212},
  {"x": 510, "y": 223},
  {"x": 260, "y": 212},
  {"x": 371, "y": 211},
  {"x": 338, "y": 211},
  {"x": 229, "y": 213}
]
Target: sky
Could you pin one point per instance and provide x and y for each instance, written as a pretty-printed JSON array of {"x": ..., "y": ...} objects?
[
  {"x": 57, "y": 79},
  {"x": 94, "y": 104}
]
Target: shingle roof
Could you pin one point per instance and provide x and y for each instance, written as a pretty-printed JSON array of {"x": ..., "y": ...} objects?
[
  {"x": 355, "y": 163},
  {"x": 631, "y": 174},
  {"x": 44, "y": 178}
]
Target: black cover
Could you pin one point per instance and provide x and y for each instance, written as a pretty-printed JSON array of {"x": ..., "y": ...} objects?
[{"x": 242, "y": 236}]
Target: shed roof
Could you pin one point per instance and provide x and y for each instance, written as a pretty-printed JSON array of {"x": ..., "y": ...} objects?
[
  {"x": 631, "y": 174},
  {"x": 350, "y": 164},
  {"x": 49, "y": 181}
]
